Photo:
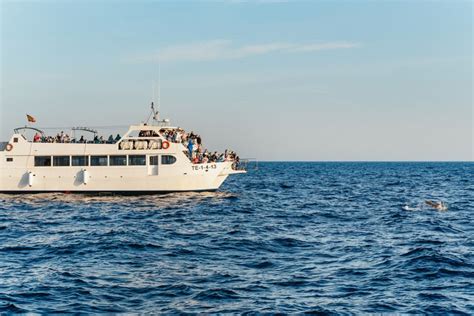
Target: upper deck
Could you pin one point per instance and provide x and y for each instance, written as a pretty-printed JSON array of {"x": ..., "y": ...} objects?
[{"x": 142, "y": 139}]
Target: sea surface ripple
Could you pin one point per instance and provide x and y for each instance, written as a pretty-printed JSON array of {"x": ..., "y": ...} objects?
[{"x": 288, "y": 237}]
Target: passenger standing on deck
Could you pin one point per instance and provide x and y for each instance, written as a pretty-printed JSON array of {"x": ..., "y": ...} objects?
[
  {"x": 190, "y": 147},
  {"x": 195, "y": 146},
  {"x": 37, "y": 138},
  {"x": 177, "y": 137},
  {"x": 184, "y": 139}
]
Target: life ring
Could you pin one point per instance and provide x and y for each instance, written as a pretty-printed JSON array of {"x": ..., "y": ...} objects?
[
  {"x": 165, "y": 144},
  {"x": 9, "y": 147}
]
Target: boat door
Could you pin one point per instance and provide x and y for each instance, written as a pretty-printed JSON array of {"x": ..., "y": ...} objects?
[{"x": 153, "y": 165}]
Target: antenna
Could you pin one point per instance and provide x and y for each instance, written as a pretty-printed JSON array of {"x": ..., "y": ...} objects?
[
  {"x": 153, "y": 91},
  {"x": 155, "y": 113},
  {"x": 159, "y": 85},
  {"x": 152, "y": 113}
]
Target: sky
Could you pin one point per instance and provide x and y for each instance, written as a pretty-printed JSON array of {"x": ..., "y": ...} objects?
[{"x": 272, "y": 80}]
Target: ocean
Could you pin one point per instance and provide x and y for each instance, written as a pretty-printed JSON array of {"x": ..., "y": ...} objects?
[{"x": 287, "y": 237}]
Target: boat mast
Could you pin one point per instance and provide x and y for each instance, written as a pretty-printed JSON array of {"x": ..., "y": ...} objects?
[{"x": 155, "y": 113}]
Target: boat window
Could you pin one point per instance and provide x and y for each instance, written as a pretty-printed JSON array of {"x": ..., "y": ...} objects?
[
  {"x": 61, "y": 161},
  {"x": 43, "y": 161},
  {"x": 136, "y": 160},
  {"x": 10, "y": 159},
  {"x": 168, "y": 160},
  {"x": 146, "y": 133},
  {"x": 15, "y": 139},
  {"x": 80, "y": 160},
  {"x": 98, "y": 160},
  {"x": 118, "y": 160},
  {"x": 153, "y": 160}
]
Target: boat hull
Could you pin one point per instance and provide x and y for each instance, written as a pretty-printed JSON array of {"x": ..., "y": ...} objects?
[
  {"x": 103, "y": 192},
  {"x": 106, "y": 179},
  {"x": 29, "y": 167}
]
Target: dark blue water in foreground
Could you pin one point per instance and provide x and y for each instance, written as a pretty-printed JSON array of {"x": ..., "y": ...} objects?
[{"x": 289, "y": 237}]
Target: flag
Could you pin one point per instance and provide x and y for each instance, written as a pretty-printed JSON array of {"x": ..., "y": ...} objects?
[{"x": 30, "y": 118}]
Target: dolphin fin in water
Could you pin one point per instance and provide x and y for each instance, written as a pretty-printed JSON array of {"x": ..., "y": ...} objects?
[{"x": 439, "y": 205}]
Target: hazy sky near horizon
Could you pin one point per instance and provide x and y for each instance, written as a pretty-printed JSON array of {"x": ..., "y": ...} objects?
[{"x": 275, "y": 80}]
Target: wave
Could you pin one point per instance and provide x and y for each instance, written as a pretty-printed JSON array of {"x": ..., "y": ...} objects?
[{"x": 216, "y": 294}]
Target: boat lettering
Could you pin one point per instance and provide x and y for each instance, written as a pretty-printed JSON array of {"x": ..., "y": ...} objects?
[{"x": 204, "y": 167}]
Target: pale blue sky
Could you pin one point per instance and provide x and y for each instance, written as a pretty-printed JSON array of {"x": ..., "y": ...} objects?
[{"x": 275, "y": 80}]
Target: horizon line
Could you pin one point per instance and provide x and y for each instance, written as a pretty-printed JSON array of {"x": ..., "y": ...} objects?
[{"x": 364, "y": 161}]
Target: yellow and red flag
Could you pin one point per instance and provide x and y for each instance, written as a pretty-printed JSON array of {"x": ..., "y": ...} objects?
[{"x": 30, "y": 118}]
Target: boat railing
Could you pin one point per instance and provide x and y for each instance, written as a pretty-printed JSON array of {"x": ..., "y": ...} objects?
[
  {"x": 18, "y": 129},
  {"x": 85, "y": 129},
  {"x": 142, "y": 137},
  {"x": 246, "y": 164}
]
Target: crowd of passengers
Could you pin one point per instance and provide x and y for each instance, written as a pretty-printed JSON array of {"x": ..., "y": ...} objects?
[
  {"x": 65, "y": 138},
  {"x": 180, "y": 136},
  {"x": 191, "y": 141},
  {"x": 196, "y": 153},
  {"x": 198, "y": 156}
]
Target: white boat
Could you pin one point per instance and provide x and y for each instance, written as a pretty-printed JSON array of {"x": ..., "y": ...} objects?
[{"x": 142, "y": 161}]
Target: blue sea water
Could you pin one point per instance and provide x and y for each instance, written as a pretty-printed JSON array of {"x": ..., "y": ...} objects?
[{"x": 288, "y": 237}]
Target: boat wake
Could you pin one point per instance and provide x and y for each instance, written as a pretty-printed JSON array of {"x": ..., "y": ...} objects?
[{"x": 140, "y": 201}]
